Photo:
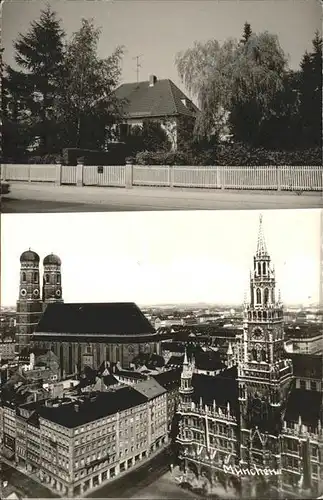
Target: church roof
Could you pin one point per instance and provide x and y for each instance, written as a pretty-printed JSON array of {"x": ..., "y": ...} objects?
[
  {"x": 29, "y": 256},
  {"x": 52, "y": 259},
  {"x": 68, "y": 321}
]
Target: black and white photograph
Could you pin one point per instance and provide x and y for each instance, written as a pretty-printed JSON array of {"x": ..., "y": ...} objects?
[
  {"x": 154, "y": 105},
  {"x": 161, "y": 249},
  {"x": 162, "y": 354}
]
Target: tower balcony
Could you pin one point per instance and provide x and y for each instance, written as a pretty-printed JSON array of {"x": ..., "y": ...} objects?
[{"x": 186, "y": 390}]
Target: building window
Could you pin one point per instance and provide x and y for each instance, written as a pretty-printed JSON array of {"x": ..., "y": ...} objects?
[
  {"x": 292, "y": 445},
  {"x": 258, "y": 296},
  {"x": 47, "y": 278},
  {"x": 266, "y": 295},
  {"x": 259, "y": 268},
  {"x": 58, "y": 279},
  {"x": 24, "y": 278},
  {"x": 302, "y": 384},
  {"x": 292, "y": 462},
  {"x": 264, "y": 268},
  {"x": 313, "y": 385}
]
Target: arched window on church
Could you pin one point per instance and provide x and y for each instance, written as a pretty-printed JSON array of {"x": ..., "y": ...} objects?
[
  {"x": 266, "y": 296},
  {"x": 58, "y": 280},
  {"x": 264, "y": 268},
  {"x": 264, "y": 315},
  {"x": 47, "y": 278},
  {"x": 253, "y": 355},
  {"x": 254, "y": 315},
  {"x": 272, "y": 296},
  {"x": 36, "y": 277},
  {"x": 259, "y": 315},
  {"x": 249, "y": 315},
  {"x": 263, "y": 355},
  {"x": 258, "y": 296},
  {"x": 259, "y": 268},
  {"x": 24, "y": 278}
]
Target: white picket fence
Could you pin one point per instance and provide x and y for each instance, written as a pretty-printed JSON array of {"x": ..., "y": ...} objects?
[{"x": 287, "y": 178}]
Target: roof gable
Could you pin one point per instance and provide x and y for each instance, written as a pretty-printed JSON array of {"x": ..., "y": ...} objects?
[{"x": 162, "y": 99}]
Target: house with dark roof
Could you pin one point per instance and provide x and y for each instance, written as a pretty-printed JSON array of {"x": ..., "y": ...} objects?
[{"x": 156, "y": 100}]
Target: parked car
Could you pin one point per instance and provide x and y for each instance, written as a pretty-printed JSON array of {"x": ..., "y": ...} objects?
[{"x": 5, "y": 188}]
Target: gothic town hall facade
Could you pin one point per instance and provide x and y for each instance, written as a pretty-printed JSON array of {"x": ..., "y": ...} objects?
[{"x": 252, "y": 430}]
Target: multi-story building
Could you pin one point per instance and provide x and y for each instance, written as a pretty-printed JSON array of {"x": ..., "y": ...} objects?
[
  {"x": 7, "y": 349},
  {"x": 254, "y": 416},
  {"x": 305, "y": 339},
  {"x": 76, "y": 443}
]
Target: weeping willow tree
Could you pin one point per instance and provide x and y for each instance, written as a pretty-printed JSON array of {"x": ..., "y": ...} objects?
[{"x": 235, "y": 83}]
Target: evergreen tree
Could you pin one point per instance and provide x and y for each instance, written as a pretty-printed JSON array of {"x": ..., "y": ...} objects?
[
  {"x": 247, "y": 32},
  {"x": 311, "y": 95},
  {"x": 31, "y": 89}
]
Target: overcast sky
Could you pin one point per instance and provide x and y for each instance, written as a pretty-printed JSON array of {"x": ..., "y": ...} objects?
[
  {"x": 157, "y": 30},
  {"x": 165, "y": 257}
]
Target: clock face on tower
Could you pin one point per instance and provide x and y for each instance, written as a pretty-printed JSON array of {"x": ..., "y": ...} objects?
[{"x": 257, "y": 333}]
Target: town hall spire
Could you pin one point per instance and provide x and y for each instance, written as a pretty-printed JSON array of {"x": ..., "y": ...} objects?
[{"x": 261, "y": 243}]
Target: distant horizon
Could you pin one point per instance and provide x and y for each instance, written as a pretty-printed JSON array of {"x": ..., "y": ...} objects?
[
  {"x": 182, "y": 257},
  {"x": 186, "y": 305}
]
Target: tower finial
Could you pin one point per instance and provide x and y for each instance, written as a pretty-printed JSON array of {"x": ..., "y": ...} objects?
[{"x": 261, "y": 244}]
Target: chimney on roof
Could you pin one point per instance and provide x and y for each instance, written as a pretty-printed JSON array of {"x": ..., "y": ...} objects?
[{"x": 152, "y": 80}]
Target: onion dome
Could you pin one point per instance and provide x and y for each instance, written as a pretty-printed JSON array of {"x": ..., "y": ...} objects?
[
  {"x": 29, "y": 256},
  {"x": 52, "y": 260}
]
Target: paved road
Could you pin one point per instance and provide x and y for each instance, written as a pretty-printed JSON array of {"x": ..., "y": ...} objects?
[
  {"x": 150, "y": 480},
  {"x": 24, "y": 484},
  {"x": 48, "y": 198}
]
